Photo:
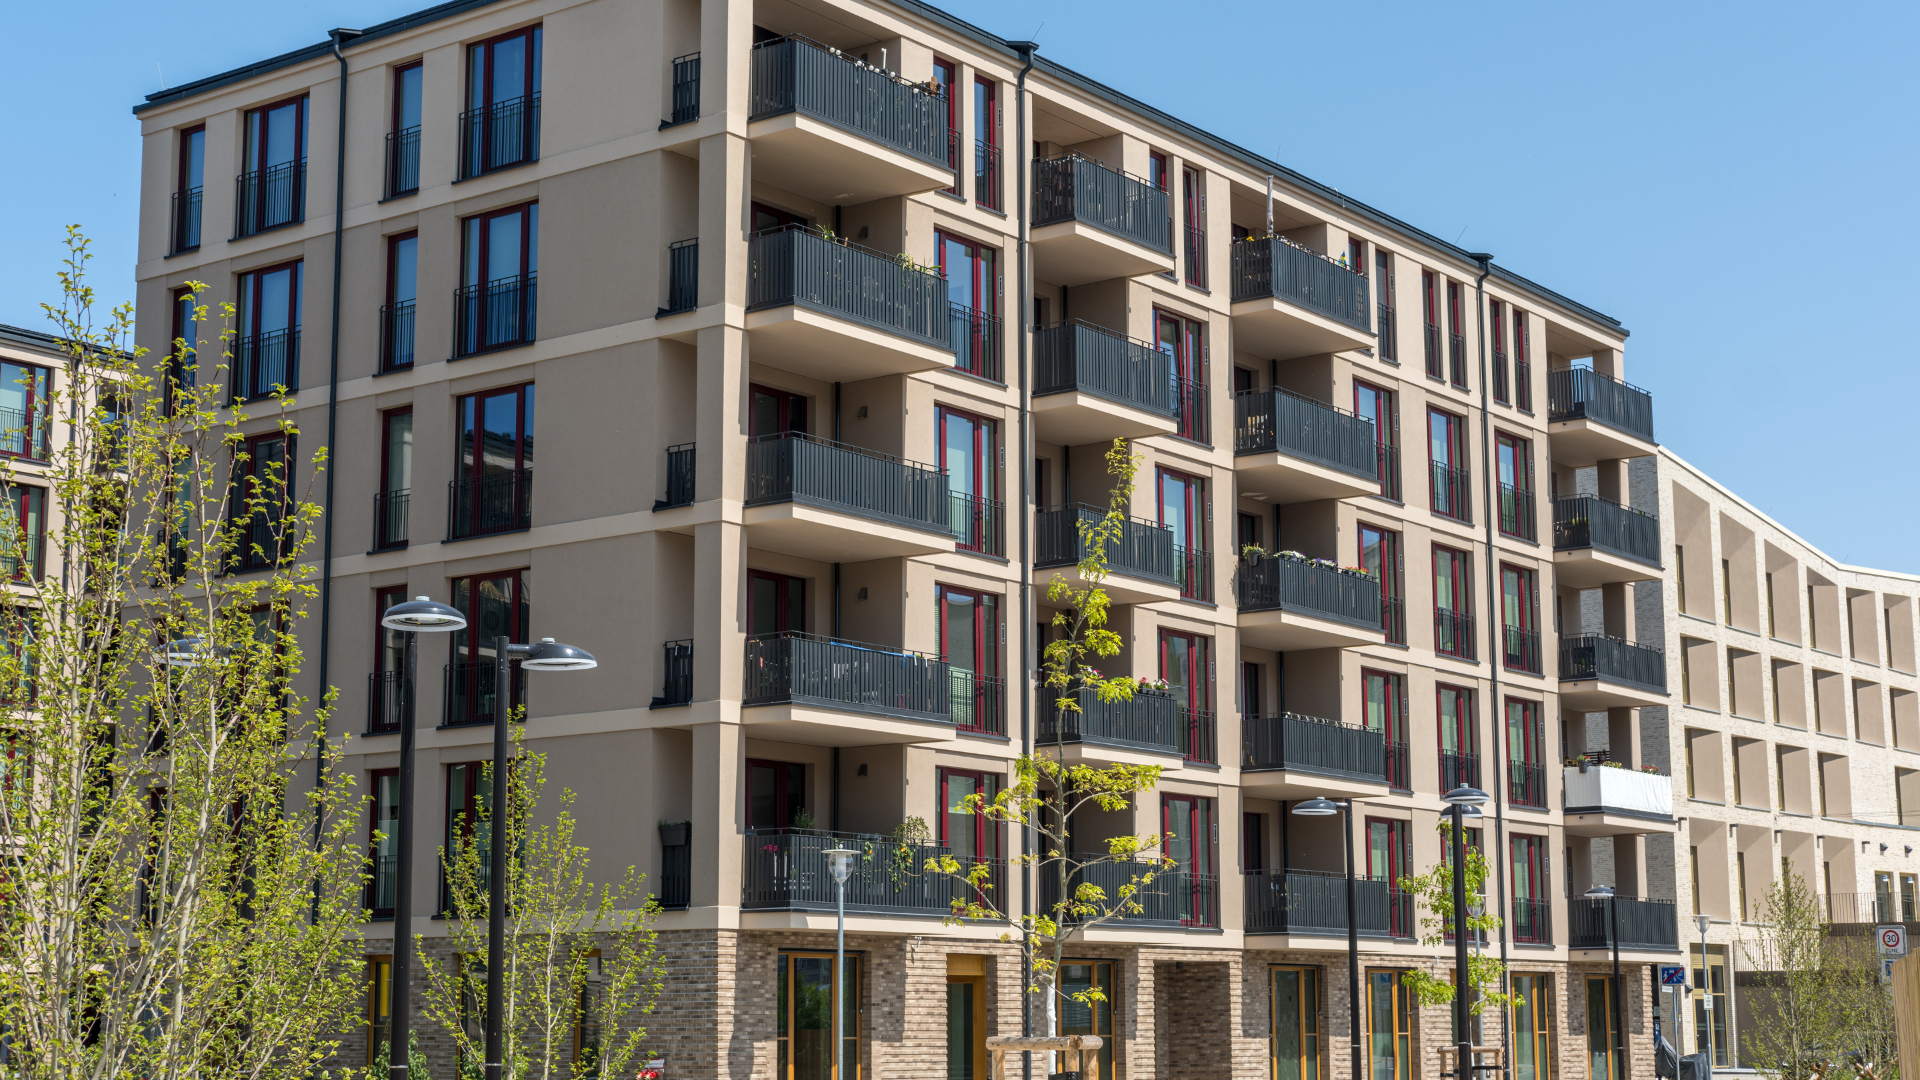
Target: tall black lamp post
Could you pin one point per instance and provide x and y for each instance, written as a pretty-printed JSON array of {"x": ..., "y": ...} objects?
[
  {"x": 1459, "y": 800},
  {"x": 1323, "y": 807}
]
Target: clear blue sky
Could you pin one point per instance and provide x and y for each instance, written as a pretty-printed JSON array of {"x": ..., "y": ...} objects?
[{"x": 1736, "y": 182}]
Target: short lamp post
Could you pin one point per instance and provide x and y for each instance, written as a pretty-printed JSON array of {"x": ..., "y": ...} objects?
[
  {"x": 840, "y": 863},
  {"x": 1605, "y": 892},
  {"x": 1700, "y": 923},
  {"x": 1461, "y": 799},
  {"x": 1324, "y": 807}
]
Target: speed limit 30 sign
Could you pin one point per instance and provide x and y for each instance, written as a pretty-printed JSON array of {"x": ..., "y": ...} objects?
[{"x": 1892, "y": 939}]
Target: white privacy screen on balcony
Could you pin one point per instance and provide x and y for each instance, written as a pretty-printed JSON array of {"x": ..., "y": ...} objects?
[{"x": 1620, "y": 789}]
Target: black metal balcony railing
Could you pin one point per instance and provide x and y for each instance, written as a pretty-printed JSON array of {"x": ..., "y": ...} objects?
[
  {"x": 986, "y": 175},
  {"x": 1315, "y": 902},
  {"x": 183, "y": 233},
  {"x": 1596, "y": 656},
  {"x": 1272, "y": 267},
  {"x": 269, "y": 198},
  {"x": 1863, "y": 908},
  {"x": 1309, "y": 744},
  {"x": 794, "y": 467},
  {"x": 390, "y": 519},
  {"x": 498, "y": 314},
  {"x": 802, "y": 669},
  {"x": 684, "y": 106},
  {"x": 386, "y": 696},
  {"x": 1149, "y": 720},
  {"x": 786, "y": 870},
  {"x": 1533, "y": 921},
  {"x": 796, "y": 265},
  {"x": 1453, "y": 633},
  {"x": 1387, "y": 463},
  {"x": 1191, "y": 419},
  {"x": 680, "y": 462},
  {"x": 1144, "y": 549},
  {"x": 1399, "y": 766},
  {"x": 1520, "y": 649},
  {"x": 1501, "y": 388},
  {"x": 1280, "y": 583},
  {"x": 499, "y": 136},
  {"x": 978, "y": 525},
  {"x": 1432, "y": 336},
  {"x": 953, "y": 161},
  {"x": 676, "y": 875},
  {"x": 976, "y": 343},
  {"x": 676, "y": 667},
  {"x": 978, "y": 702},
  {"x": 1517, "y": 516},
  {"x": 396, "y": 336},
  {"x": 1458, "y": 770},
  {"x": 1644, "y": 924},
  {"x": 497, "y": 502},
  {"x": 1526, "y": 784},
  {"x": 1585, "y": 394},
  {"x": 1393, "y": 619},
  {"x": 403, "y": 162},
  {"x": 1457, "y": 359},
  {"x": 1389, "y": 335},
  {"x": 1193, "y": 570},
  {"x": 1196, "y": 256},
  {"x": 1280, "y": 421},
  {"x": 380, "y": 890},
  {"x": 1202, "y": 739},
  {"x": 796, "y": 74},
  {"x": 683, "y": 277},
  {"x": 471, "y": 693},
  {"x": 1174, "y": 897},
  {"x": 22, "y": 437},
  {"x": 1076, "y": 188},
  {"x": 1588, "y": 521},
  {"x": 1522, "y": 385},
  {"x": 1079, "y": 356},
  {"x": 264, "y": 364},
  {"x": 1451, "y": 493}
]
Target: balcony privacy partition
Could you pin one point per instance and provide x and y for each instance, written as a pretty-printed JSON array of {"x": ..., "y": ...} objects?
[
  {"x": 683, "y": 277},
  {"x": 828, "y": 673},
  {"x": 497, "y": 502},
  {"x": 386, "y": 696},
  {"x": 1304, "y": 586},
  {"x": 794, "y": 74},
  {"x": 680, "y": 462},
  {"x": 497, "y": 314},
  {"x": 1280, "y": 421},
  {"x": 976, "y": 343},
  {"x": 390, "y": 519},
  {"x": 1595, "y": 788},
  {"x": 794, "y": 467},
  {"x": 499, "y": 135},
  {"x": 1079, "y": 356},
  {"x": 470, "y": 691},
  {"x": 1270, "y": 267},
  {"x": 1075, "y": 188},
  {"x": 1315, "y": 902},
  {"x": 269, "y": 198},
  {"x": 1173, "y": 898},
  {"x": 183, "y": 233},
  {"x": 1310, "y": 744},
  {"x": 1647, "y": 925},
  {"x": 796, "y": 265},
  {"x": 1585, "y": 394},
  {"x": 1588, "y": 521},
  {"x": 786, "y": 870},
  {"x": 1597, "y": 656},
  {"x": 262, "y": 362},
  {"x": 1150, "y": 720},
  {"x": 1144, "y": 548},
  {"x": 685, "y": 104}
]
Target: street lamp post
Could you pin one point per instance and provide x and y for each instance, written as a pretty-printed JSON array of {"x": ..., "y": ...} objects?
[
  {"x": 1460, "y": 799},
  {"x": 1605, "y": 892},
  {"x": 1323, "y": 807},
  {"x": 547, "y": 655},
  {"x": 1700, "y": 923},
  {"x": 840, "y": 862},
  {"x": 416, "y": 616}
]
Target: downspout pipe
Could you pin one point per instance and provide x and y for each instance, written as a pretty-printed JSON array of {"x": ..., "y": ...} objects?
[
  {"x": 339, "y": 36},
  {"x": 1497, "y": 651},
  {"x": 1023, "y": 152}
]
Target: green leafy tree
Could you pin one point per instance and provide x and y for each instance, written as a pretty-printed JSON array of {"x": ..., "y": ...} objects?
[
  {"x": 582, "y": 959},
  {"x": 1816, "y": 996},
  {"x": 182, "y": 887},
  {"x": 1434, "y": 891}
]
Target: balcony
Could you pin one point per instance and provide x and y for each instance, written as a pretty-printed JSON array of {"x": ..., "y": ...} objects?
[
  {"x": 1599, "y": 672},
  {"x": 1645, "y": 925},
  {"x": 1517, "y": 516},
  {"x": 1450, "y": 493},
  {"x": 977, "y": 703},
  {"x": 1607, "y": 801},
  {"x": 403, "y": 162},
  {"x": 498, "y": 314},
  {"x": 680, "y": 474},
  {"x": 1141, "y": 566},
  {"x": 1291, "y": 602},
  {"x": 686, "y": 91},
  {"x": 1599, "y": 542},
  {"x": 1526, "y": 785},
  {"x": 1295, "y": 449},
  {"x": 683, "y": 278},
  {"x": 1092, "y": 223},
  {"x": 1143, "y": 729},
  {"x": 1459, "y": 770},
  {"x": 1091, "y": 385},
  {"x": 396, "y": 336},
  {"x": 1314, "y": 903},
  {"x": 831, "y": 502},
  {"x": 471, "y": 689},
  {"x": 676, "y": 681},
  {"x": 1290, "y": 756},
  {"x": 498, "y": 502},
  {"x": 265, "y": 364},
  {"x": 390, "y": 519},
  {"x": 807, "y": 98},
  {"x": 269, "y": 198},
  {"x": 386, "y": 696},
  {"x": 1291, "y": 301},
  {"x": 786, "y": 870},
  {"x": 183, "y": 229},
  {"x": 1532, "y": 921},
  {"x": 1595, "y": 418},
  {"x": 1453, "y": 634},
  {"x": 821, "y": 691},
  {"x": 1865, "y": 908},
  {"x": 978, "y": 525},
  {"x": 839, "y": 312},
  {"x": 1520, "y": 649},
  {"x": 1173, "y": 898},
  {"x": 499, "y": 136}
]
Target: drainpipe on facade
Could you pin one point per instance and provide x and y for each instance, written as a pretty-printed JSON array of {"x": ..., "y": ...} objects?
[
  {"x": 1497, "y": 655},
  {"x": 1023, "y": 152}
]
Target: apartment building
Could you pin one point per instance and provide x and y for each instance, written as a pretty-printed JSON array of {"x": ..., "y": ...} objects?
[
  {"x": 841, "y": 304},
  {"x": 1794, "y": 733},
  {"x": 33, "y": 366}
]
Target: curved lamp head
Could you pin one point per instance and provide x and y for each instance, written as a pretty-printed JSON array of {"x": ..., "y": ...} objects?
[
  {"x": 1471, "y": 812},
  {"x": 1476, "y": 906},
  {"x": 1317, "y": 807},
  {"x": 423, "y": 615},
  {"x": 1464, "y": 796},
  {"x": 840, "y": 862},
  {"x": 551, "y": 655},
  {"x": 1600, "y": 892},
  {"x": 1700, "y": 923},
  {"x": 185, "y": 652}
]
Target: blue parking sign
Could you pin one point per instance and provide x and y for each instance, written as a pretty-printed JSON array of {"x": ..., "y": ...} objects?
[{"x": 1673, "y": 975}]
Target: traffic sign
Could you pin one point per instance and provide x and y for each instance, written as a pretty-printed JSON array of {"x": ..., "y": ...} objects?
[
  {"x": 1892, "y": 939},
  {"x": 1673, "y": 975}
]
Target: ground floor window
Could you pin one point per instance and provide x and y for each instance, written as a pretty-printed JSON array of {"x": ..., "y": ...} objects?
[
  {"x": 1296, "y": 1023},
  {"x": 1389, "y": 1026},
  {"x": 1096, "y": 1018},
  {"x": 1532, "y": 1027},
  {"x": 966, "y": 1017},
  {"x": 379, "y": 1004},
  {"x": 1710, "y": 1011},
  {"x": 807, "y": 997},
  {"x": 1600, "y": 1033}
]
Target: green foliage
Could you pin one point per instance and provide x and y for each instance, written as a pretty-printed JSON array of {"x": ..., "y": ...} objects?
[
  {"x": 1817, "y": 996},
  {"x": 416, "y": 1060},
  {"x": 1434, "y": 890}
]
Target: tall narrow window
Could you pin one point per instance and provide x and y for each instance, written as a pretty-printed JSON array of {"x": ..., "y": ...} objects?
[
  {"x": 499, "y": 273},
  {"x": 403, "y": 138},
  {"x": 986, "y": 144},
  {"x": 1390, "y": 1024},
  {"x": 266, "y": 358},
  {"x": 384, "y": 697},
  {"x": 1456, "y": 336},
  {"x": 1385, "y": 700},
  {"x": 23, "y": 534},
  {"x": 1519, "y": 618},
  {"x": 188, "y": 188},
  {"x": 396, "y": 317},
  {"x": 1380, "y": 406},
  {"x": 969, "y": 451},
  {"x": 1772, "y": 630},
  {"x": 1451, "y": 492},
  {"x": 776, "y": 793},
  {"x": 1186, "y": 663},
  {"x": 383, "y": 843},
  {"x": 1187, "y": 822},
  {"x": 26, "y": 409},
  {"x": 1093, "y": 1019},
  {"x": 1514, "y": 461},
  {"x": 495, "y": 605},
  {"x": 1193, "y": 198},
  {"x": 501, "y": 127},
  {"x": 1526, "y": 754},
  {"x": 1388, "y": 346},
  {"x": 944, "y": 75},
  {"x": 1296, "y": 1021},
  {"x": 1532, "y": 903},
  {"x": 261, "y": 500},
  {"x": 1184, "y": 511},
  {"x": 1452, "y": 602},
  {"x": 379, "y": 1006},
  {"x": 973, "y": 288},
  {"x": 1389, "y": 859},
  {"x": 1380, "y": 556},
  {"x": 493, "y": 463},
  {"x": 390, "y": 503},
  {"x": 1430, "y": 307},
  {"x": 185, "y": 348},
  {"x": 1497, "y": 328},
  {"x": 1183, "y": 340},
  {"x": 1459, "y": 737},
  {"x": 272, "y": 189},
  {"x": 1522, "y": 362},
  {"x": 970, "y": 644},
  {"x": 469, "y": 798},
  {"x": 971, "y": 837}
]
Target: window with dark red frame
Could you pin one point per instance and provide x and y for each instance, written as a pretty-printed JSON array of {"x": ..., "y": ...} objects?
[
  {"x": 495, "y": 306},
  {"x": 1526, "y": 754},
  {"x": 1184, "y": 342},
  {"x": 189, "y": 187},
  {"x": 383, "y": 840},
  {"x": 1452, "y": 602},
  {"x": 1389, "y": 859},
  {"x": 1522, "y": 363},
  {"x": 1388, "y": 346},
  {"x": 271, "y": 189},
  {"x": 261, "y": 500},
  {"x": 971, "y": 837},
  {"x": 1430, "y": 304},
  {"x": 1519, "y": 619},
  {"x": 776, "y": 793},
  {"x": 1497, "y": 329},
  {"x": 1384, "y": 696},
  {"x": 1451, "y": 490},
  {"x": 1513, "y": 464},
  {"x": 495, "y": 605},
  {"x": 469, "y": 799},
  {"x": 970, "y": 644},
  {"x": 1382, "y": 406},
  {"x": 386, "y": 686},
  {"x": 1456, "y": 336},
  {"x": 1185, "y": 510},
  {"x": 266, "y": 358},
  {"x": 1459, "y": 737},
  {"x": 501, "y": 125},
  {"x": 776, "y": 603},
  {"x": 185, "y": 347},
  {"x": 23, "y": 541},
  {"x": 1531, "y": 898},
  {"x": 944, "y": 76},
  {"x": 973, "y": 291},
  {"x": 1193, "y": 198},
  {"x": 391, "y": 502},
  {"x": 986, "y": 143},
  {"x": 1188, "y": 824},
  {"x": 397, "y": 314},
  {"x": 1186, "y": 663},
  {"x": 492, "y": 489},
  {"x": 403, "y": 136}
]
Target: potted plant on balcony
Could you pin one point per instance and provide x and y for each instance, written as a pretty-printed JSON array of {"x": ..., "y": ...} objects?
[{"x": 675, "y": 833}]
